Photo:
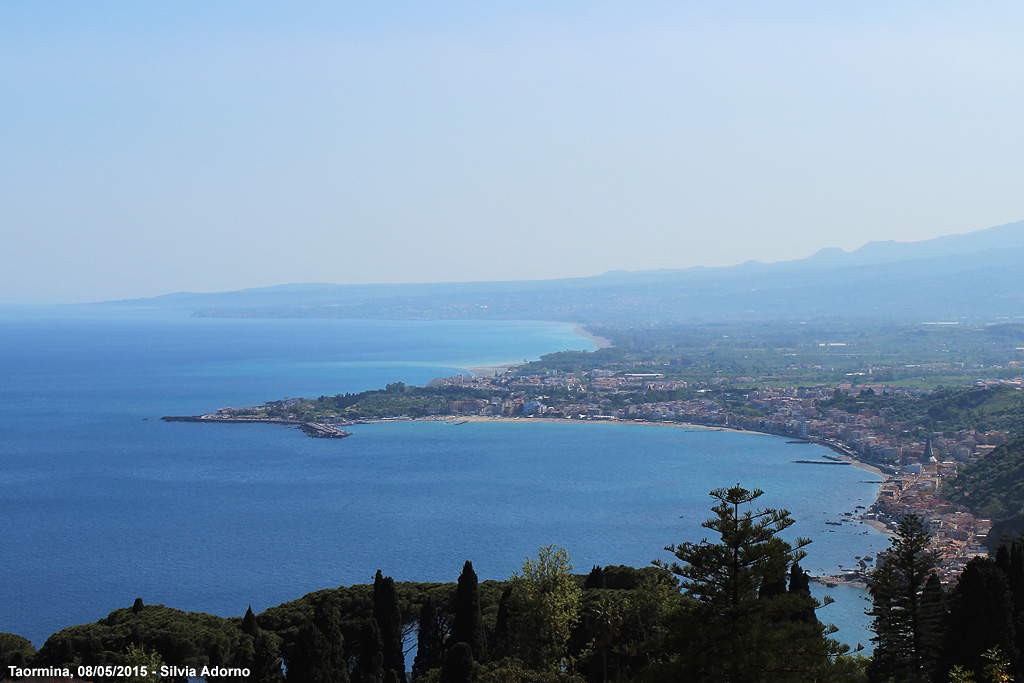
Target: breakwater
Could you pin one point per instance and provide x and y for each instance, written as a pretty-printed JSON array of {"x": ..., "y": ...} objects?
[{"x": 317, "y": 430}]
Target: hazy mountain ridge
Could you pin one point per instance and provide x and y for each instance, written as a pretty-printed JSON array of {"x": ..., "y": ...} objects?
[{"x": 969, "y": 276}]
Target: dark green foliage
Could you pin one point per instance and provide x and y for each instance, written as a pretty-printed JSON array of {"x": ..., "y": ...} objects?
[
  {"x": 389, "y": 619},
  {"x": 137, "y": 606},
  {"x": 370, "y": 664},
  {"x": 467, "y": 620},
  {"x": 14, "y": 651},
  {"x": 749, "y": 555},
  {"x": 595, "y": 579},
  {"x": 980, "y": 617},
  {"x": 318, "y": 654},
  {"x": 184, "y": 639},
  {"x": 266, "y": 667},
  {"x": 994, "y": 485},
  {"x": 459, "y": 666},
  {"x": 249, "y": 625},
  {"x": 429, "y": 642},
  {"x": 740, "y": 623},
  {"x": 501, "y": 646},
  {"x": 243, "y": 657},
  {"x": 1015, "y": 576},
  {"x": 905, "y": 621},
  {"x": 395, "y": 399},
  {"x": 1004, "y": 530}
]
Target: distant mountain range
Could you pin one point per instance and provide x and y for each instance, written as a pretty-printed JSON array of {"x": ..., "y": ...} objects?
[{"x": 976, "y": 276}]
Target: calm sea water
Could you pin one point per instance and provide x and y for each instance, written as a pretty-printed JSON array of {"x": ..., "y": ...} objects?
[{"x": 103, "y": 502}]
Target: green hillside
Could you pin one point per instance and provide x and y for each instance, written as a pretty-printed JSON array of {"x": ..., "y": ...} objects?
[{"x": 993, "y": 486}]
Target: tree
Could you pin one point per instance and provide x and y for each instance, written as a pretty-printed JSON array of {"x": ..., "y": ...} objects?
[
  {"x": 14, "y": 651},
  {"x": 429, "y": 642},
  {"x": 739, "y": 620},
  {"x": 749, "y": 556},
  {"x": 458, "y": 665},
  {"x": 546, "y": 607},
  {"x": 467, "y": 620},
  {"x": 370, "y": 665},
  {"x": 907, "y": 630},
  {"x": 266, "y": 666},
  {"x": 980, "y": 617},
  {"x": 319, "y": 652},
  {"x": 389, "y": 619},
  {"x": 249, "y": 625}
]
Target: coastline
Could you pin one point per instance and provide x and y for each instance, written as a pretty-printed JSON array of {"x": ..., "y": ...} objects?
[
  {"x": 873, "y": 523},
  {"x": 579, "y": 329}
]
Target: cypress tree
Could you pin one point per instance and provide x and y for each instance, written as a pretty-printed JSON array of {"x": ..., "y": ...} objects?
[
  {"x": 799, "y": 580},
  {"x": 137, "y": 606},
  {"x": 1003, "y": 558},
  {"x": 468, "y": 623},
  {"x": 1016, "y": 576},
  {"x": 595, "y": 579},
  {"x": 249, "y": 625},
  {"x": 370, "y": 665},
  {"x": 502, "y": 626},
  {"x": 980, "y": 617},
  {"x": 429, "y": 642},
  {"x": 458, "y": 665},
  {"x": 389, "y": 620}
]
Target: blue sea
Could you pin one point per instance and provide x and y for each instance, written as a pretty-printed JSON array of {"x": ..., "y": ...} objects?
[{"x": 102, "y": 502}]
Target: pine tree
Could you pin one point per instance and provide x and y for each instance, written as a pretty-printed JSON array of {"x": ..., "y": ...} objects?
[
  {"x": 904, "y": 633},
  {"x": 429, "y": 642},
  {"x": 741, "y": 625},
  {"x": 467, "y": 620},
  {"x": 389, "y": 619}
]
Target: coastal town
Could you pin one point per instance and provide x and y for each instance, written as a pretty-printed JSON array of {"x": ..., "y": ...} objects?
[
  {"x": 884, "y": 427},
  {"x": 914, "y": 464}
]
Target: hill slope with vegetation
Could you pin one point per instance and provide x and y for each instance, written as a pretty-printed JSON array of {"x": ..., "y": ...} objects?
[{"x": 993, "y": 486}]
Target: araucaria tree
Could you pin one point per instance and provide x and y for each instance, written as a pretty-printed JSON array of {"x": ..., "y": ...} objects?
[
  {"x": 906, "y": 608},
  {"x": 739, "y": 621}
]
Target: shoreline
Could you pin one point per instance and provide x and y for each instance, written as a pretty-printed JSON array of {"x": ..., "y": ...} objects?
[
  {"x": 579, "y": 329},
  {"x": 873, "y": 523}
]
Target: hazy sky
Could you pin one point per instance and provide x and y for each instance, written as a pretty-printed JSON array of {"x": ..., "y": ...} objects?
[{"x": 153, "y": 147}]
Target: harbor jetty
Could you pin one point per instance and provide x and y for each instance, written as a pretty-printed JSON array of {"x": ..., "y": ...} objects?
[{"x": 317, "y": 430}]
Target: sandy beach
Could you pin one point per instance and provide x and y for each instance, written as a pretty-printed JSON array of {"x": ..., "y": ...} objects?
[
  {"x": 578, "y": 329},
  {"x": 599, "y": 342}
]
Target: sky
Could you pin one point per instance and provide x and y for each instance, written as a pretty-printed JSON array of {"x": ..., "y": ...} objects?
[{"x": 157, "y": 147}]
